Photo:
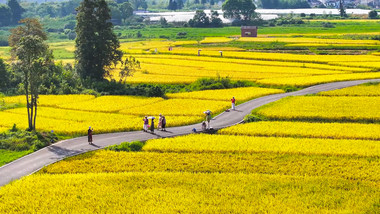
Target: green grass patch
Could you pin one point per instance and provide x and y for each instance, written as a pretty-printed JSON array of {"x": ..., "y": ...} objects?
[{"x": 7, "y": 156}]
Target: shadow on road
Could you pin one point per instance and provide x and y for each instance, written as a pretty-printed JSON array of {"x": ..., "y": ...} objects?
[{"x": 62, "y": 151}]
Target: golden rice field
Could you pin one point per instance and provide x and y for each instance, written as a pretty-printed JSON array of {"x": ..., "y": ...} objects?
[
  {"x": 216, "y": 60},
  {"x": 241, "y": 94},
  {"x": 310, "y": 40},
  {"x": 180, "y": 107},
  {"x": 186, "y": 192},
  {"x": 184, "y": 66},
  {"x": 322, "y": 108},
  {"x": 69, "y": 122},
  {"x": 51, "y": 100},
  {"x": 305, "y": 129},
  {"x": 361, "y": 90},
  {"x": 358, "y": 168},
  {"x": 318, "y": 79},
  {"x": 246, "y": 144},
  {"x": 298, "y": 170}
]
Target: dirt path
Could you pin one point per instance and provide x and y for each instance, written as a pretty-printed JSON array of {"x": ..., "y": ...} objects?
[{"x": 35, "y": 161}]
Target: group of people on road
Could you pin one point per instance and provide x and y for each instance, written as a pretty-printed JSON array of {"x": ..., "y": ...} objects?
[{"x": 161, "y": 123}]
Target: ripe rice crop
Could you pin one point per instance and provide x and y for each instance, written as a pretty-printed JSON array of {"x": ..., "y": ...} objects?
[
  {"x": 264, "y": 163},
  {"x": 319, "y": 108},
  {"x": 235, "y": 67},
  {"x": 309, "y": 40},
  {"x": 165, "y": 58},
  {"x": 199, "y": 143},
  {"x": 304, "y": 129},
  {"x": 373, "y": 65},
  {"x": 72, "y": 122},
  {"x": 279, "y": 56},
  {"x": 241, "y": 94},
  {"x": 3, "y": 129},
  {"x": 216, "y": 40},
  {"x": 362, "y": 90},
  {"x": 158, "y": 73},
  {"x": 110, "y": 103},
  {"x": 51, "y": 100},
  {"x": 181, "y": 107},
  {"x": 318, "y": 79},
  {"x": 186, "y": 193}
]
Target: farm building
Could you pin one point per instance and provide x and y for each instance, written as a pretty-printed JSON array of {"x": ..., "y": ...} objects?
[{"x": 248, "y": 31}]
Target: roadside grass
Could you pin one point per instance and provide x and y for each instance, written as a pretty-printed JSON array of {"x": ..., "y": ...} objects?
[{"x": 7, "y": 156}]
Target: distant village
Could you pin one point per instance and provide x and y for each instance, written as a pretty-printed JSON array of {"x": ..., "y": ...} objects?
[{"x": 347, "y": 3}]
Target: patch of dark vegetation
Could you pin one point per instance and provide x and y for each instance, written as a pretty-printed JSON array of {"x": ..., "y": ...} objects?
[
  {"x": 19, "y": 140},
  {"x": 134, "y": 146}
]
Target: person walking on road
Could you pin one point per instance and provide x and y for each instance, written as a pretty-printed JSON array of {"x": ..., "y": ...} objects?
[
  {"x": 233, "y": 103},
  {"x": 146, "y": 122},
  {"x": 163, "y": 123},
  {"x": 152, "y": 125},
  {"x": 89, "y": 135},
  {"x": 208, "y": 118},
  {"x": 159, "y": 126}
]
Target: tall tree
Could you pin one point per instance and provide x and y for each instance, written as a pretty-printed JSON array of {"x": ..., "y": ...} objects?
[
  {"x": 32, "y": 60},
  {"x": 5, "y": 15},
  {"x": 126, "y": 10},
  {"x": 17, "y": 11},
  {"x": 96, "y": 44},
  {"x": 3, "y": 75},
  {"x": 342, "y": 10},
  {"x": 239, "y": 9}
]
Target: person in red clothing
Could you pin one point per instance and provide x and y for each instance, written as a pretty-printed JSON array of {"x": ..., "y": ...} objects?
[
  {"x": 233, "y": 103},
  {"x": 89, "y": 134}
]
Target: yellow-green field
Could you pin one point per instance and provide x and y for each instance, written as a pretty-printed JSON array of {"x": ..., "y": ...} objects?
[
  {"x": 322, "y": 108},
  {"x": 184, "y": 66},
  {"x": 305, "y": 129}
]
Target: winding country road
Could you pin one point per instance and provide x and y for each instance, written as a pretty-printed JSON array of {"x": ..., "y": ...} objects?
[{"x": 35, "y": 161}]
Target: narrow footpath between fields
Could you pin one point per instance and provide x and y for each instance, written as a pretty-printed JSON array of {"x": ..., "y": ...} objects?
[{"x": 63, "y": 149}]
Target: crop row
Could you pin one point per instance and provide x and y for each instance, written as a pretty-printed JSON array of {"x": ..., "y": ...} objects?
[
  {"x": 186, "y": 193},
  {"x": 235, "y": 67},
  {"x": 318, "y": 79},
  {"x": 277, "y": 56},
  {"x": 263, "y": 163},
  {"x": 199, "y": 143},
  {"x": 361, "y": 90},
  {"x": 71, "y": 122},
  {"x": 250, "y": 62},
  {"x": 242, "y": 94},
  {"x": 321, "y": 108},
  {"x": 310, "y": 40},
  {"x": 304, "y": 129}
]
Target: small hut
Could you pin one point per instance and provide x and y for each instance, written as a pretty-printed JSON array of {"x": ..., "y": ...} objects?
[{"x": 248, "y": 31}]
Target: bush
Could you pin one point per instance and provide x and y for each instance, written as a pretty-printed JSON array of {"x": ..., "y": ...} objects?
[
  {"x": 252, "y": 118},
  {"x": 372, "y": 14},
  {"x": 127, "y": 147},
  {"x": 328, "y": 25}
]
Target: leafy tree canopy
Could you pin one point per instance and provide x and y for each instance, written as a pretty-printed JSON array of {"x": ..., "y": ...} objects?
[{"x": 239, "y": 9}]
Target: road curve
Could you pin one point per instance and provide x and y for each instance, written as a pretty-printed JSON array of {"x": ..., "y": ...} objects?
[{"x": 58, "y": 151}]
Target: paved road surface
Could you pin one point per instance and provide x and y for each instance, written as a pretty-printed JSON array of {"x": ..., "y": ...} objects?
[{"x": 35, "y": 161}]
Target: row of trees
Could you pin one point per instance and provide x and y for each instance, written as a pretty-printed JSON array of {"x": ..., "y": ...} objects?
[
  {"x": 281, "y": 4},
  {"x": 201, "y": 19}
]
